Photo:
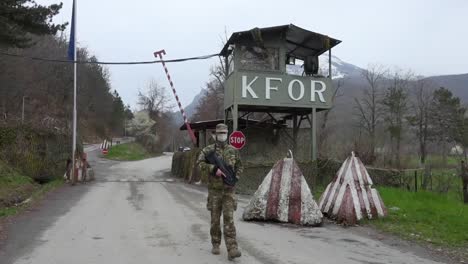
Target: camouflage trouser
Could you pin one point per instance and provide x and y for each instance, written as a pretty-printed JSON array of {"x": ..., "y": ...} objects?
[{"x": 222, "y": 202}]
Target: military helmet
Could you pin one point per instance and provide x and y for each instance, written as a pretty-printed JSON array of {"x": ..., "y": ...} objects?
[{"x": 220, "y": 128}]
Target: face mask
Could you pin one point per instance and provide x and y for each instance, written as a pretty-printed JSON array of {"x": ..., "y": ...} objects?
[{"x": 221, "y": 137}]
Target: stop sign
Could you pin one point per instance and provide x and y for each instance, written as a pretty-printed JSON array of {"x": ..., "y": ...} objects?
[{"x": 237, "y": 139}]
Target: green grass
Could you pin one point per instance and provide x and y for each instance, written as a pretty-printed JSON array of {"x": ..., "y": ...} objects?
[
  {"x": 128, "y": 151},
  {"x": 425, "y": 216},
  {"x": 35, "y": 195},
  {"x": 433, "y": 160},
  {"x": 15, "y": 188},
  {"x": 13, "y": 185}
]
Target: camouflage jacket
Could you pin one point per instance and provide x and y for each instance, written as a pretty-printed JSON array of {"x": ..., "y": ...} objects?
[{"x": 229, "y": 154}]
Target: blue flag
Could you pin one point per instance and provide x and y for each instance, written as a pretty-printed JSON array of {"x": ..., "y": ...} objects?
[{"x": 71, "y": 44}]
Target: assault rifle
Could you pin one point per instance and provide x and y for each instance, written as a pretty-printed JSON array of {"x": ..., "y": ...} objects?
[{"x": 230, "y": 178}]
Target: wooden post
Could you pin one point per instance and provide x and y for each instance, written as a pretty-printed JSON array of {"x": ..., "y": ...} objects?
[
  {"x": 464, "y": 178},
  {"x": 416, "y": 181}
]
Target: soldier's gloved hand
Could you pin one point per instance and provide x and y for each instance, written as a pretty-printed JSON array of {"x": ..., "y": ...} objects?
[{"x": 220, "y": 173}]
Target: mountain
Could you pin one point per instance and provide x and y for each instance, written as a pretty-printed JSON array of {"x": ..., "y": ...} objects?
[
  {"x": 458, "y": 84},
  {"x": 340, "y": 69},
  {"x": 189, "y": 109}
]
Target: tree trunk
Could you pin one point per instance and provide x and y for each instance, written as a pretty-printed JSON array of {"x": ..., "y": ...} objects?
[
  {"x": 422, "y": 149},
  {"x": 392, "y": 151},
  {"x": 398, "y": 159},
  {"x": 444, "y": 153},
  {"x": 323, "y": 136},
  {"x": 426, "y": 177},
  {"x": 372, "y": 147}
]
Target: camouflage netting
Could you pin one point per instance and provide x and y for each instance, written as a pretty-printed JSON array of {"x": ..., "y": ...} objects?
[
  {"x": 41, "y": 155},
  {"x": 184, "y": 166}
]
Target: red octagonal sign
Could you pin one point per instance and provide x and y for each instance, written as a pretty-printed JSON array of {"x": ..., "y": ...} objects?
[{"x": 237, "y": 139}]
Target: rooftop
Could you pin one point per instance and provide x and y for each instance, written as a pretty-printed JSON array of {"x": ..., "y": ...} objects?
[{"x": 300, "y": 43}]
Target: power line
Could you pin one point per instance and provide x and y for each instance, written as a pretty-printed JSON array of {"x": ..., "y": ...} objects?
[{"x": 106, "y": 62}]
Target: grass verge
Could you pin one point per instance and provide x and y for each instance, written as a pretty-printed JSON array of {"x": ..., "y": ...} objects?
[
  {"x": 129, "y": 151},
  {"x": 425, "y": 216},
  {"x": 15, "y": 188}
]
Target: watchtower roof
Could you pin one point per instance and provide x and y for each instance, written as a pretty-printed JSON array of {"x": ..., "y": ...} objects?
[{"x": 300, "y": 43}]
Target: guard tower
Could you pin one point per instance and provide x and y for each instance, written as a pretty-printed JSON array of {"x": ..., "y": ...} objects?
[{"x": 276, "y": 70}]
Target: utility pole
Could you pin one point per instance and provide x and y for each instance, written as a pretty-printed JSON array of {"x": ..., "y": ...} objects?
[{"x": 74, "y": 175}]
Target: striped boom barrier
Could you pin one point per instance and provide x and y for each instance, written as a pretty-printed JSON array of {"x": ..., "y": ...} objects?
[
  {"x": 186, "y": 121},
  {"x": 284, "y": 196},
  {"x": 350, "y": 196}
]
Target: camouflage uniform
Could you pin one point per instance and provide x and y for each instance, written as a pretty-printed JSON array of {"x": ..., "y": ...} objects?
[{"x": 221, "y": 198}]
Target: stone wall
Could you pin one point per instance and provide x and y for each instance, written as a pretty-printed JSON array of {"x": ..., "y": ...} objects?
[{"x": 267, "y": 145}]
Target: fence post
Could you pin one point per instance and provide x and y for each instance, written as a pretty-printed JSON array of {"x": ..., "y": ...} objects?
[
  {"x": 464, "y": 178},
  {"x": 401, "y": 181},
  {"x": 415, "y": 180}
]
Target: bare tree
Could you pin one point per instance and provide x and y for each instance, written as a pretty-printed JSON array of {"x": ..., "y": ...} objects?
[
  {"x": 324, "y": 133},
  {"x": 395, "y": 107},
  {"x": 155, "y": 100},
  {"x": 420, "y": 120},
  {"x": 368, "y": 112},
  {"x": 47, "y": 90},
  {"x": 211, "y": 104}
]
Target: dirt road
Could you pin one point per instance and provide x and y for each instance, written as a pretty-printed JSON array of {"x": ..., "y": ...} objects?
[{"x": 136, "y": 213}]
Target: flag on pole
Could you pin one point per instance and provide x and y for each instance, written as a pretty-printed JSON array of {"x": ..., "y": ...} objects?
[
  {"x": 72, "y": 57},
  {"x": 71, "y": 44}
]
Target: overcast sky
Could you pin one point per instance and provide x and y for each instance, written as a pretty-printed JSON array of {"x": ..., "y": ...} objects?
[{"x": 428, "y": 37}]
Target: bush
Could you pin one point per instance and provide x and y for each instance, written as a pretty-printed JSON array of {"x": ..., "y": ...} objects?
[
  {"x": 150, "y": 142},
  {"x": 40, "y": 155}
]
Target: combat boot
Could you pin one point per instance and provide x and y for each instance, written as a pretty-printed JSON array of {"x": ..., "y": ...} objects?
[
  {"x": 215, "y": 250},
  {"x": 234, "y": 253}
]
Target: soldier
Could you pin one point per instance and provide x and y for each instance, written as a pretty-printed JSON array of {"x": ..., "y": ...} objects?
[{"x": 221, "y": 197}]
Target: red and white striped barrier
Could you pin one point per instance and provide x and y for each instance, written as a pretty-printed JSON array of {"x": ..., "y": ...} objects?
[
  {"x": 105, "y": 144},
  {"x": 186, "y": 121},
  {"x": 83, "y": 171},
  {"x": 350, "y": 196},
  {"x": 284, "y": 196}
]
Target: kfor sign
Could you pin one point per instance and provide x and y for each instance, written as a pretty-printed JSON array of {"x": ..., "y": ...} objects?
[
  {"x": 278, "y": 90},
  {"x": 237, "y": 139}
]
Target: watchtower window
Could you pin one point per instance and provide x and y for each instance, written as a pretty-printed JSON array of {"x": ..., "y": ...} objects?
[
  {"x": 258, "y": 58},
  {"x": 295, "y": 67}
]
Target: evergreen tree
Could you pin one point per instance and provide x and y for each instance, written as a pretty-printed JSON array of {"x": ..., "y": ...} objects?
[
  {"x": 20, "y": 18},
  {"x": 118, "y": 114},
  {"x": 447, "y": 119}
]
